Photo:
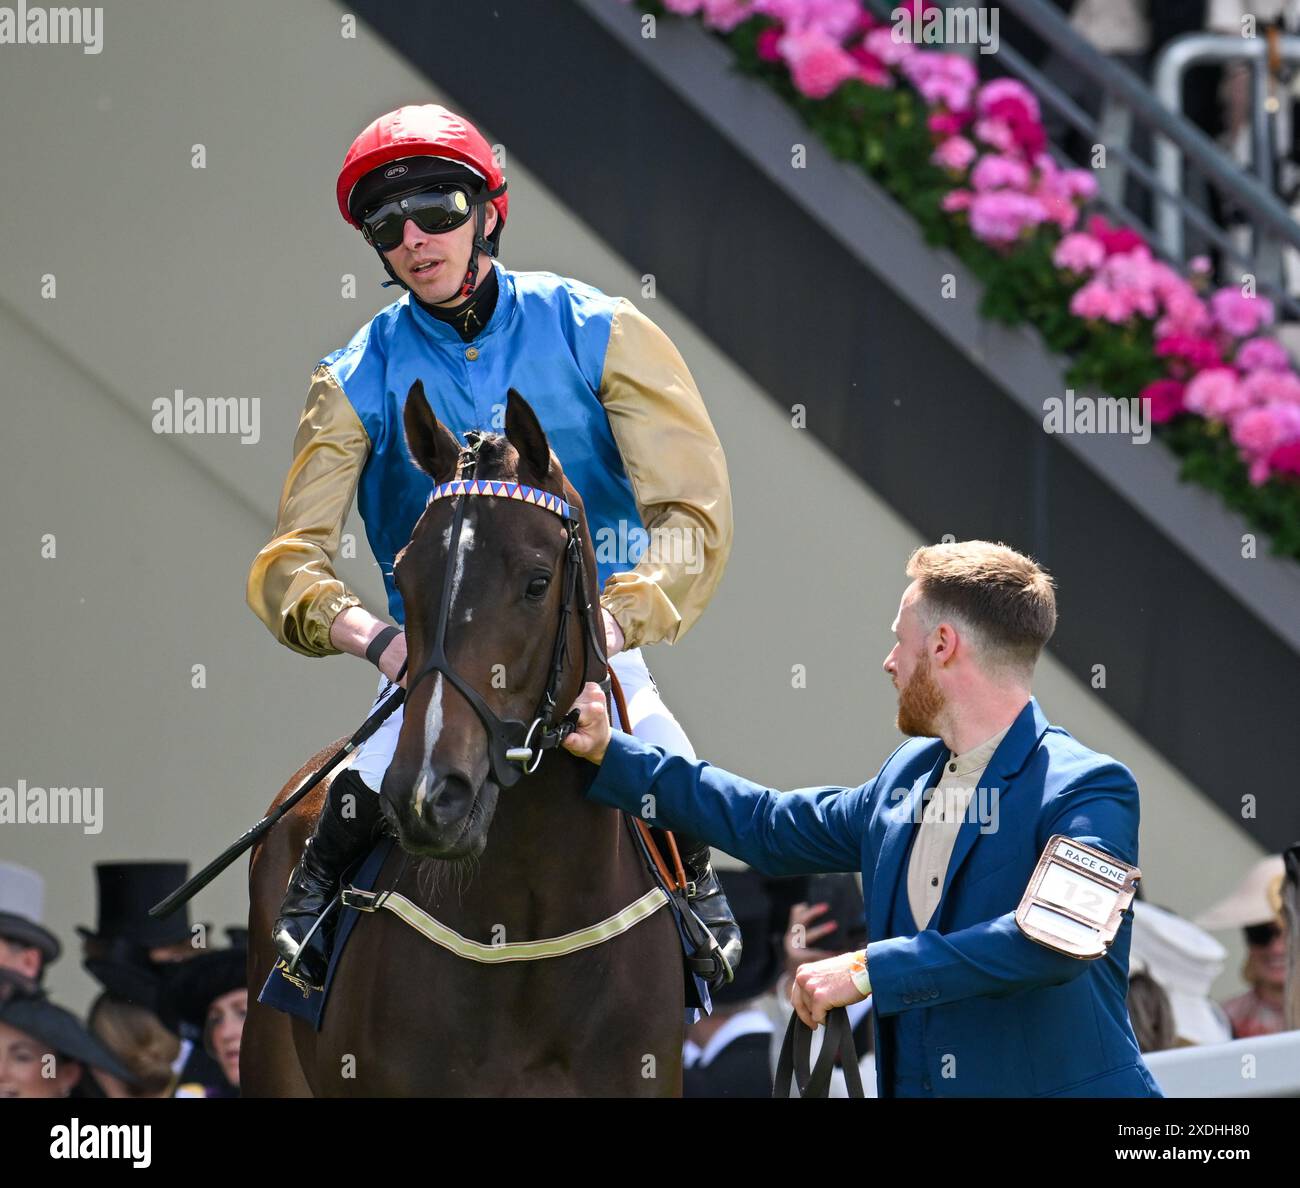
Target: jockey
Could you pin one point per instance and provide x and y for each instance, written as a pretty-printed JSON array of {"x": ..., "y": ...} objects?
[{"x": 619, "y": 408}]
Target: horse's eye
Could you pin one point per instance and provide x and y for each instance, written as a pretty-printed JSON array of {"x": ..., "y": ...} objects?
[{"x": 538, "y": 586}]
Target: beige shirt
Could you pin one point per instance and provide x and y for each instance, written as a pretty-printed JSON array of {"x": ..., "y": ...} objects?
[{"x": 940, "y": 822}]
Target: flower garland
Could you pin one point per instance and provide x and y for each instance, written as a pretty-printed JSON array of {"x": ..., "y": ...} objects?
[{"x": 969, "y": 161}]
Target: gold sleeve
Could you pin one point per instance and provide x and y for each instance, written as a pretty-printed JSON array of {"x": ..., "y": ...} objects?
[
  {"x": 679, "y": 478},
  {"x": 291, "y": 585}
]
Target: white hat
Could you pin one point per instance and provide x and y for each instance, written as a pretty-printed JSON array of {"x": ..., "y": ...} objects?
[
  {"x": 1252, "y": 902},
  {"x": 1183, "y": 960},
  {"x": 22, "y": 902}
]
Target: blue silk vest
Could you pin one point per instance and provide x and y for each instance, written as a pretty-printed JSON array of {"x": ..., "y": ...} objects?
[{"x": 547, "y": 339}]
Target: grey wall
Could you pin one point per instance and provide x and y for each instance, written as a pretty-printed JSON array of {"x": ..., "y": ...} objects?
[{"x": 226, "y": 282}]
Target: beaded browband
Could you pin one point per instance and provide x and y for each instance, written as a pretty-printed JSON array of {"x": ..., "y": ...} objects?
[{"x": 505, "y": 490}]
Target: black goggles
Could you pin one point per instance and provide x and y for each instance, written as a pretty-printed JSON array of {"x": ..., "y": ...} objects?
[
  {"x": 443, "y": 208},
  {"x": 1262, "y": 934}
]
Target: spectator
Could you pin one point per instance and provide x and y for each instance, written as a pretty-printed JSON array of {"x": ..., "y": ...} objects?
[
  {"x": 129, "y": 953},
  {"x": 1183, "y": 960},
  {"x": 726, "y": 1054},
  {"x": 208, "y": 996},
  {"x": 26, "y": 946},
  {"x": 833, "y": 908},
  {"x": 140, "y": 1042},
  {"x": 1255, "y": 906},
  {"x": 45, "y": 1051}
]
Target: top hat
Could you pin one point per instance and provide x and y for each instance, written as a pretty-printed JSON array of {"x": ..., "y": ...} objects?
[
  {"x": 22, "y": 898},
  {"x": 126, "y": 932},
  {"x": 126, "y": 892}
]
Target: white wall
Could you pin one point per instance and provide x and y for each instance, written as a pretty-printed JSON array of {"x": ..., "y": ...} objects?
[{"x": 226, "y": 282}]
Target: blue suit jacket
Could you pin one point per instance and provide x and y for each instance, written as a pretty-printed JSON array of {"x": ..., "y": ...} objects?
[{"x": 1001, "y": 1014}]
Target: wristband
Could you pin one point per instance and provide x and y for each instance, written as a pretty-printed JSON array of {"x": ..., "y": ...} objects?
[
  {"x": 379, "y": 644},
  {"x": 858, "y": 972}
]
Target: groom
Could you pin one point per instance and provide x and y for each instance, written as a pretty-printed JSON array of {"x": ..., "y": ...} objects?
[{"x": 948, "y": 837}]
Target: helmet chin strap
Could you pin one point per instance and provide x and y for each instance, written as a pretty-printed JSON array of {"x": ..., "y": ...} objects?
[{"x": 481, "y": 244}]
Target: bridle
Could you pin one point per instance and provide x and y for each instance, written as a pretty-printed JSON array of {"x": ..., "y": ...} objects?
[{"x": 515, "y": 748}]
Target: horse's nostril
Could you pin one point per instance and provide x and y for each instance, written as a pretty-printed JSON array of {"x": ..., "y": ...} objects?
[{"x": 444, "y": 802}]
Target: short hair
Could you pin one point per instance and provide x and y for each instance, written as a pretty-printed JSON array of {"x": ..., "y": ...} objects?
[{"x": 1006, "y": 600}]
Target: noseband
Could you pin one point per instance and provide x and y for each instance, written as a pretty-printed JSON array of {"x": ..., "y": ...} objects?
[{"x": 515, "y": 748}]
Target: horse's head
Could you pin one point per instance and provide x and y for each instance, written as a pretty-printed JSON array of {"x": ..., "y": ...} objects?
[{"x": 487, "y": 578}]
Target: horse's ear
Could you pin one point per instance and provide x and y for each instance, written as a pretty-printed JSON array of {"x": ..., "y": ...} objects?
[
  {"x": 525, "y": 433},
  {"x": 433, "y": 448}
]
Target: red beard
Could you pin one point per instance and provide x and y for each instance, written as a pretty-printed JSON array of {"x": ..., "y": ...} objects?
[{"x": 920, "y": 702}]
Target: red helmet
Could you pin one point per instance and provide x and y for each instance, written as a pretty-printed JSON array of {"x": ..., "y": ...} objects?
[{"x": 423, "y": 130}]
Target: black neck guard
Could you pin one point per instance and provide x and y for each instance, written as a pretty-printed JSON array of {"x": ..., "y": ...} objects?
[{"x": 469, "y": 317}]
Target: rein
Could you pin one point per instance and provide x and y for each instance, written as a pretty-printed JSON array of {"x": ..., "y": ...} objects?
[{"x": 515, "y": 748}]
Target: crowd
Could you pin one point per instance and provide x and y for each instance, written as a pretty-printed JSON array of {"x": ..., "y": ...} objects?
[{"x": 168, "y": 1019}]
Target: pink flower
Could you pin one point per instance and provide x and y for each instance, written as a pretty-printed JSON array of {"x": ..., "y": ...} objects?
[
  {"x": 1198, "y": 354},
  {"x": 725, "y": 15},
  {"x": 1097, "y": 301},
  {"x": 1259, "y": 431},
  {"x": 1113, "y": 239},
  {"x": 1199, "y": 265},
  {"x": 880, "y": 43},
  {"x": 1001, "y": 216},
  {"x": 833, "y": 18},
  {"x": 765, "y": 45},
  {"x": 996, "y": 134},
  {"x": 946, "y": 123},
  {"x": 1215, "y": 393},
  {"x": 1271, "y": 387},
  {"x": 1079, "y": 253},
  {"x": 818, "y": 63},
  {"x": 1080, "y": 183},
  {"x": 1006, "y": 97},
  {"x": 995, "y": 172},
  {"x": 955, "y": 154},
  {"x": 947, "y": 79},
  {"x": 684, "y": 7},
  {"x": 1262, "y": 354},
  {"x": 1285, "y": 459},
  {"x": 871, "y": 70},
  {"x": 1185, "y": 312},
  {"x": 1239, "y": 315},
  {"x": 956, "y": 200},
  {"x": 1165, "y": 399}
]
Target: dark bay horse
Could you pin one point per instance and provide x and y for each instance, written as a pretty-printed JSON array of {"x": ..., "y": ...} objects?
[{"x": 495, "y": 863}]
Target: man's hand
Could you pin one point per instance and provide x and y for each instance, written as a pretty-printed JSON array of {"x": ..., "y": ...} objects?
[
  {"x": 591, "y": 737},
  {"x": 613, "y": 634},
  {"x": 822, "y": 985}
]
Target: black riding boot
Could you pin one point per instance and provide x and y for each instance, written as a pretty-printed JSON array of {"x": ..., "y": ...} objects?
[
  {"x": 343, "y": 831},
  {"x": 710, "y": 904}
]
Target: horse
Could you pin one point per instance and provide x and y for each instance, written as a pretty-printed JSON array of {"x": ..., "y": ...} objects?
[{"x": 493, "y": 854}]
